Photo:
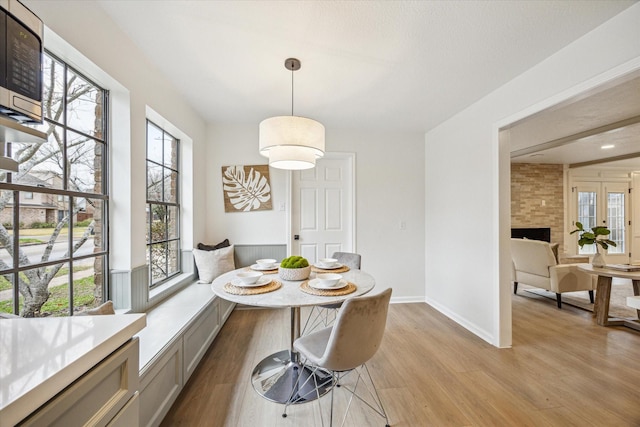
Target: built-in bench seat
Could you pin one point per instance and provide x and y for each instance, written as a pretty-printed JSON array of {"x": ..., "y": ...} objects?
[
  {"x": 179, "y": 331},
  {"x": 634, "y": 302}
]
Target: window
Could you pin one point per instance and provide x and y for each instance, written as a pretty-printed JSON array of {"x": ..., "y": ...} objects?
[
  {"x": 587, "y": 215},
  {"x": 163, "y": 205},
  {"x": 53, "y": 252},
  {"x": 605, "y": 204},
  {"x": 616, "y": 218}
]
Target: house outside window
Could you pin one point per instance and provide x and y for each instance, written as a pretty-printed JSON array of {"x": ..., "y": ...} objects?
[
  {"x": 53, "y": 246},
  {"x": 163, "y": 205}
]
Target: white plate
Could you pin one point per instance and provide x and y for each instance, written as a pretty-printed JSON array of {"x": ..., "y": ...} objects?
[
  {"x": 263, "y": 280},
  {"x": 315, "y": 283},
  {"x": 260, "y": 268},
  {"x": 334, "y": 267}
]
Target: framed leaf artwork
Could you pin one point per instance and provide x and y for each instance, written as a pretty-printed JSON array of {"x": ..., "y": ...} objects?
[{"x": 246, "y": 188}]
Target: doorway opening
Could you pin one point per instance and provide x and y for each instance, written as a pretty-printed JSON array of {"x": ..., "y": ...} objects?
[{"x": 570, "y": 132}]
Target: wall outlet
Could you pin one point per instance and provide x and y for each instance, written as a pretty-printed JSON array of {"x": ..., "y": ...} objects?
[
  {"x": 282, "y": 206},
  {"x": 403, "y": 225}
]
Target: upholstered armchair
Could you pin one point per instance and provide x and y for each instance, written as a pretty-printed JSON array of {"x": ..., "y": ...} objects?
[{"x": 534, "y": 264}]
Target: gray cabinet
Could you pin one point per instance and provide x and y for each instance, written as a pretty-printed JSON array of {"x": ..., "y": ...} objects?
[{"x": 105, "y": 395}]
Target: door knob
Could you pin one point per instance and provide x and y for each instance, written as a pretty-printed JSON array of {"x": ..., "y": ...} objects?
[{"x": 296, "y": 237}]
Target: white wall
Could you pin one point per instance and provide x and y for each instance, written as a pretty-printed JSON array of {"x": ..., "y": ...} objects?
[
  {"x": 467, "y": 252},
  {"x": 134, "y": 83},
  {"x": 238, "y": 145},
  {"x": 389, "y": 189}
]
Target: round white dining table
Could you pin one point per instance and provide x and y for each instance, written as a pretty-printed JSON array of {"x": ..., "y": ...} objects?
[{"x": 275, "y": 376}]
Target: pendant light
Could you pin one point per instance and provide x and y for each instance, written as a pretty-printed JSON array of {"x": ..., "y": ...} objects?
[{"x": 291, "y": 142}]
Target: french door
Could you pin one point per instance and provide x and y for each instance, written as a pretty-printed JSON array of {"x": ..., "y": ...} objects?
[{"x": 604, "y": 204}]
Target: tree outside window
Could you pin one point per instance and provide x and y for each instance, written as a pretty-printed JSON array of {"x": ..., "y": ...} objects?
[{"x": 53, "y": 253}]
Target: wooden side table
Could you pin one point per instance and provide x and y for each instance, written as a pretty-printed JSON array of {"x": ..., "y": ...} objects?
[{"x": 603, "y": 294}]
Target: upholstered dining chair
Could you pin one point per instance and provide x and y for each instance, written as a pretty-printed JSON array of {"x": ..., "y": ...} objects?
[
  {"x": 342, "y": 349},
  {"x": 350, "y": 259},
  {"x": 322, "y": 316}
]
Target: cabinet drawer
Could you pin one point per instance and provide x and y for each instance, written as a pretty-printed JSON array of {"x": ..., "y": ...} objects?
[
  {"x": 199, "y": 337},
  {"x": 96, "y": 397},
  {"x": 226, "y": 307},
  {"x": 130, "y": 414},
  {"x": 160, "y": 386}
]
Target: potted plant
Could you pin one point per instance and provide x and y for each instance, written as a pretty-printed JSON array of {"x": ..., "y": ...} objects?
[
  {"x": 294, "y": 268},
  {"x": 597, "y": 236}
]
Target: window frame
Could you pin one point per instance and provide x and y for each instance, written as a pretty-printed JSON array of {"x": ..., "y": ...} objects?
[
  {"x": 167, "y": 240},
  {"x": 67, "y": 194}
]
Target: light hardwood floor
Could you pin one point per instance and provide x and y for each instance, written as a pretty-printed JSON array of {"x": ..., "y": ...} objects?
[{"x": 563, "y": 370}]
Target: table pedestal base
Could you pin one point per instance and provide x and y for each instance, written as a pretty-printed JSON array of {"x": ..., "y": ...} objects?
[{"x": 275, "y": 377}]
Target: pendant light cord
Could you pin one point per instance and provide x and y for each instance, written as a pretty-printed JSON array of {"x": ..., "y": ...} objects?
[
  {"x": 293, "y": 65},
  {"x": 292, "y": 91}
]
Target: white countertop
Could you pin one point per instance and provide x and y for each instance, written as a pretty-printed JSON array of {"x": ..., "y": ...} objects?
[{"x": 40, "y": 357}]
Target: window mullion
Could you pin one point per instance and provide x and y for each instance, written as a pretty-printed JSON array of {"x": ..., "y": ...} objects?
[
  {"x": 16, "y": 252},
  {"x": 65, "y": 166}
]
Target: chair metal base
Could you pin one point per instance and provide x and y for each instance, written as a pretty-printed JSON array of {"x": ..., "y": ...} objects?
[
  {"x": 282, "y": 379},
  {"x": 363, "y": 378}
]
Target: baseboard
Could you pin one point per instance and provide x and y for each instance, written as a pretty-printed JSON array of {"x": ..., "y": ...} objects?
[
  {"x": 465, "y": 323},
  {"x": 394, "y": 300},
  {"x": 407, "y": 300}
]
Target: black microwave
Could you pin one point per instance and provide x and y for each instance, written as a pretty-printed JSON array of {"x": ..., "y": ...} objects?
[{"x": 21, "y": 35}]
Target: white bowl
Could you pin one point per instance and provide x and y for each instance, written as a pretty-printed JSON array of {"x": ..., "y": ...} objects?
[
  {"x": 249, "y": 277},
  {"x": 266, "y": 263},
  {"x": 328, "y": 280},
  {"x": 327, "y": 262}
]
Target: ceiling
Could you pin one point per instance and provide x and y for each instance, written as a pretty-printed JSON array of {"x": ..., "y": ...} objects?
[
  {"x": 575, "y": 131},
  {"x": 378, "y": 65}
]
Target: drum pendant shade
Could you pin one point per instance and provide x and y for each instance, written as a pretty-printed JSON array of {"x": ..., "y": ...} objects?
[{"x": 291, "y": 142}]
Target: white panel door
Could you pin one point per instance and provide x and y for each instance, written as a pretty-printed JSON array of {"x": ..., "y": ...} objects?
[{"x": 322, "y": 214}]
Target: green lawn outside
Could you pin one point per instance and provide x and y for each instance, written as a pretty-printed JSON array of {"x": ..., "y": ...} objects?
[
  {"x": 30, "y": 240},
  {"x": 58, "y": 303},
  {"x": 5, "y": 284},
  {"x": 27, "y": 232}
]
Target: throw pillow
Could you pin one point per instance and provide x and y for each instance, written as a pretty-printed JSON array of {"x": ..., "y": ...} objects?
[
  {"x": 224, "y": 244},
  {"x": 102, "y": 309},
  {"x": 554, "y": 249},
  {"x": 211, "y": 264}
]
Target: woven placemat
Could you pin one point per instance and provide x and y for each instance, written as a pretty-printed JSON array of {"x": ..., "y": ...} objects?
[
  {"x": 274, "y": 271},
  {"x": 237, "y": 290},
  {"x": 304, "y": 287},
  {"x": 342, "y": 269}
]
